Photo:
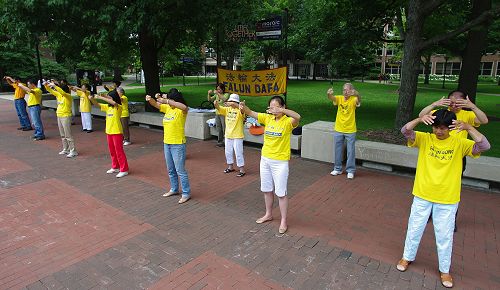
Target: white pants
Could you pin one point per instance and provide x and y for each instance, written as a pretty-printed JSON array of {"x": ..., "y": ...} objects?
[
  {"x": 273, "y": 176},
  {"x": 237, "y": 145},
  {"x": 86, "y": 120}
]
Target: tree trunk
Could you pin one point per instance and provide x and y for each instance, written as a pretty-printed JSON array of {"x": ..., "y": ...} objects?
[
  {"x": 117, "y": 73},
  {"x": 149, "y": 59},
  {"x": 411, "y": 63},
  {"x": 314, "y": 71},
  {"x": 471, "y": 57}
]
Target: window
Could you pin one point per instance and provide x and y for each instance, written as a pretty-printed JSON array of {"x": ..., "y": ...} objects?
[
  {"x": 498, "y": 68},
  {"x": 485, "y": 69},
  {"x": 392, "y": 68},
  {"x": 321, "y": 70}
]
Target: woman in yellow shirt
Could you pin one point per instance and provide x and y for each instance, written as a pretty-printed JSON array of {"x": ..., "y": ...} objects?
[
  {"x": 278, "y": 124},
  {"x": 437, "y": 183},
  {"x": 219, "y": 96},
  {"x": 85, "y": 107},
  {"x": 64, "y": 114},
  {"x": 114, "y": 133},
  {"x": 174, "y": 140},
  {"x": 234, "y": 120}
]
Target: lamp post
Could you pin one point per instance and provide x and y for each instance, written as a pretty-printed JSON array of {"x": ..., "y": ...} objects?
[
  {"x": 183, "y": 78},
  {"x": 444, "y": 70}
]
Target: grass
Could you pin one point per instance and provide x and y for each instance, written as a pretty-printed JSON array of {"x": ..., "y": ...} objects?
[{"x": 378, "y": 110}]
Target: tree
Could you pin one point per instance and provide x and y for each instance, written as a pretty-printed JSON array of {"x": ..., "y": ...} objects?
[{"x": 416, "y": 12}]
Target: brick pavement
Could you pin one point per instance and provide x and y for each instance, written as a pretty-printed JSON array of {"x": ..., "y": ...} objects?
[{"x": 65, "y": 224}]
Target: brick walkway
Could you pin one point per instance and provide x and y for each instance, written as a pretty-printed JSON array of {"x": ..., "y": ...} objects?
[{"x": 64, "y": 223}]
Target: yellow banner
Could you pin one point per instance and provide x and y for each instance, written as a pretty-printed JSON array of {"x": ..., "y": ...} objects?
[{"x": 254, "y": 82}]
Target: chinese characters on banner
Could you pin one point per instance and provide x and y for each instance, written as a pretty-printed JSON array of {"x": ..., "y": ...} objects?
[{"x": 254, "y": 83}]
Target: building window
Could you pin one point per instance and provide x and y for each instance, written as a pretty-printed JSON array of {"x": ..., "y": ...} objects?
[
  {"x": 321, "y": 70},
  {"x": 392, "y": 68},
  {"x": 452, "y": 68},
  {"x": 485, "y": 69}
]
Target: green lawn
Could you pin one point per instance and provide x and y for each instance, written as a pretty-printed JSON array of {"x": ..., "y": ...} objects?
[{"x": 379, "y": 103}]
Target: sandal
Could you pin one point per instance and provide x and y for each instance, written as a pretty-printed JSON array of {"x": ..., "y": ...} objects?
[
  {"x": 446, "y": 280},
  {"x": 403, "y": 265},
  {"x": 241, "y": 174},
  {"x": 227, "y": 170}
]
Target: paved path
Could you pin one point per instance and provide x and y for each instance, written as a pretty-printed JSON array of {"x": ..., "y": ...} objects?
[{"x": 65, "y": 224}]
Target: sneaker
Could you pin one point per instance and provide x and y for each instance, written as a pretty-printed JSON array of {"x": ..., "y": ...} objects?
[
  {"x": 38, "y": 138},
  {"x": 27, "y": 129},
  {"x": 125, "y": 143},
  {"x": 184, "y": 199},
  {"x": 72, "y": 154},
  {"x": 122, "y": 174},
  {"x": 112, "y": 170},
  {"x": 336, "y": 172},
  {"x": 64, "y": 152},
  {"x": 170, "y": 193},
  {"x": 350, "y": 175},
  {"x": 89, "y": 131}
]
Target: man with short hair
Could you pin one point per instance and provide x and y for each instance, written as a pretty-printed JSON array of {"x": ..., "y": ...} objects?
[
  {"x": 19, "y": 103},
  {"x": 345, "y": 128},
  {"x": 34, "y": 108}
]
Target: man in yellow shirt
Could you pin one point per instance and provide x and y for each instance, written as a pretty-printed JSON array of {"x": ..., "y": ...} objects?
[
  {"x": 345, "y": 128},
  {"x": 437, "y": 183},
  {"x": 19, "y": 103},
  {"x": 34, "y": 108}
]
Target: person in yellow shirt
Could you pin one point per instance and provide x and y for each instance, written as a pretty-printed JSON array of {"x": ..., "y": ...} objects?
[
  {"x": 437, "y": 183},
  {"x": 34, "y": 108},
  {"x": 466, "y": 111},
  {"x": 174, "y": 140},
  {"x": 85, "y": 107},
  {"x": 278, "y": 124},
  {"x": 19, "y": 103},
  {"x": 114, "y": 131},
  {"x": 219, "y": 96},
  {"x": 234, "y": 120},
  {"x": 64, "y": 115},
  {"x": 345, "y": 128},
  {"x": 125, "y": 116}
]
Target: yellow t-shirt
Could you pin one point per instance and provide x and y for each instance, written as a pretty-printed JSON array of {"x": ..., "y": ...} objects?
[
  {"x": 18, "y": 92},
  {"x": 173, "y": 125},
  {"x": 345, "y": 122},
  {"x": 220, "y": 101},
  {"x": 439, "y": 167},
  {"x": 64, "y": 101},
  {"x": 276, "y": 136},
  {"x": 85, "y": 105},
  {"x": 35, "y": 97},
  {"x": 234, "y": 122},
  {"x": 113, "y": 122},
  {"x": 125, "y": 112}
]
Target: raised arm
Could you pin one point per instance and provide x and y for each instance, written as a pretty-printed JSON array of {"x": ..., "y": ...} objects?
[
  {"x": 24, "y": 88},
  {"x": 173, "y": 103},
  {"x": 292, "y": 114},
  {"x": 93, "y": 100},
  {"x": 443, "y": 102},
  {"x": 210, "y": 96},
  {"x": 407, "y": 129},
  {"x": 107, "y": 100},
  {"x": 9, "y": 80},
  {"x": 358, "y": 97},
  {"x": 152, "y": 101},
  {"x": 330, "y": 96},
  {"x": 50, "y": 90},
  {"x": 481, "y": 117},
  {"x": 246, "y": 110}
]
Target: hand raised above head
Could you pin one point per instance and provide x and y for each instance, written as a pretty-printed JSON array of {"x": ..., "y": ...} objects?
[
  {"x": 330, "y": 91},
  {"x": 427, "y": 119}
]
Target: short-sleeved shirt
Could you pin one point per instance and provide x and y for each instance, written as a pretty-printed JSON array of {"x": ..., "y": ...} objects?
[
  {"x": 85, "y": 105},
  {"x": 113, "y": 115},
  {"x": 125, "y": 112},
  {"x": 64, "y": 102},
  {"x": 173, "y": 125},
  {"x": 35, "y": 97},
  {"x": 345, "y": 122},
  {"x": 234, "y": 120},
  {"x": 276, "y": 136},
  {"x": 439, "y": 167},
  {"x": 18, "y": 92}
]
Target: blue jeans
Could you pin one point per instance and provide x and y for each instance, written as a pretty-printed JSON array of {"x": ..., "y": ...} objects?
[
  {"x": 21, "y": 113},
  {"x": 36, "y": 119},
  {"x": 175, "y": 157},
  {"x": 443, "y": 219},
  {"x": 338, "y": 139}
]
